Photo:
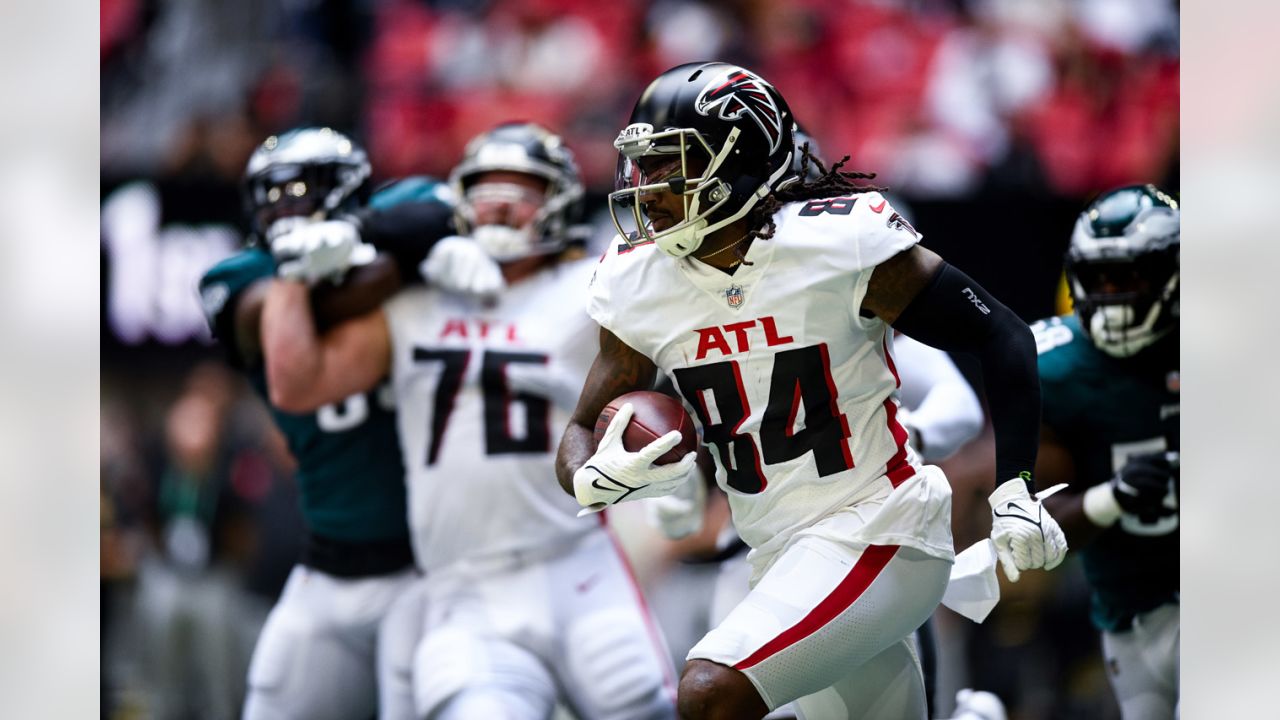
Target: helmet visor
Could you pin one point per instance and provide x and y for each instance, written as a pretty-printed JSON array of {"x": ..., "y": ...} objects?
[
  {"x": 284, "y": 191},
  {"x": 1111, "y": 282},
  {"x": 503, "y": 203}
]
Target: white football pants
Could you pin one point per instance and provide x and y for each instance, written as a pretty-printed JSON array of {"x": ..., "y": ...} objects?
[
  {"x": 316, "y": 658},
  {"x": 1142, "y": 664}
]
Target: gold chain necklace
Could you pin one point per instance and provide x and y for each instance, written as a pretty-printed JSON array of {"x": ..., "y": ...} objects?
[{"x": 730, "y": 246}]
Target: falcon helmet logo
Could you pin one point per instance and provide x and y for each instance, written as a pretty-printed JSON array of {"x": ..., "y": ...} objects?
[
  {"x": 734, "y": 296},
  {"x": 737, "y": 92}
]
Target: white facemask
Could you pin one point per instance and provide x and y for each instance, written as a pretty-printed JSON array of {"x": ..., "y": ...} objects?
[{"x": 504, "y": 243}]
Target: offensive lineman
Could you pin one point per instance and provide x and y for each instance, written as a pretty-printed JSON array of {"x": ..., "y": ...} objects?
[
  {"x": 768, "y": 301},
  {"x": 526, "y": 604},
  {"x": 1110, "y": 381},
  {"x": 315, "y": 657}
]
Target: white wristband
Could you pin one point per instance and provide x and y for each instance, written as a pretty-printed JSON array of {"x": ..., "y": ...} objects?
[{"x": 1100, "y": 505}]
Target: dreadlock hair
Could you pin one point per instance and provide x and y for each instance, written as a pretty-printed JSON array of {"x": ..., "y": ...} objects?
[{"x": 830, "y": 183}]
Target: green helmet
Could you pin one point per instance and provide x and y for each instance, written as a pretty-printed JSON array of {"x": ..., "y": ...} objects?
[
  {"x": 1122, "y": 267},
  {"x": 306, "y": 173}
]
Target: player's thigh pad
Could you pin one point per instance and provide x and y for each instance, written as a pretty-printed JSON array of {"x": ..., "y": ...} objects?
[
  {"x": 454, "y": 664},
  {"x": 616, "y": 665},
  {"x": 315, "y": 655},
  {"x": 822, "y": 610},
  {"x": 1142, "y": 664}
]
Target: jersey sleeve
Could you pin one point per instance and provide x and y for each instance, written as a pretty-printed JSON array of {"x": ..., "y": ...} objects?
[
  {"x": 871, "y": 233},
  {"x": 1057, "y": 346},
  {"x": 220, "y": 290},
  {"x": 405, "y": 219},
  {"x": 881, "y": 232},
  {"x": 599, "y": 295}
]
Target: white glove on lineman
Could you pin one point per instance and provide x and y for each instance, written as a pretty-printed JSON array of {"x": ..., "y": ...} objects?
[
  {"x": 1025, "y": 535},
  {"x": 318, "y": 250},
  {"x": 459, "y": 264},
  {"x": 680, "y": 514},
  {"x": 613, "y": 474}
]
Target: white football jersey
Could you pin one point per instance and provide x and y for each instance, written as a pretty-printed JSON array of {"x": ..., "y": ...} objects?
[
  {"x": 484, "y": 390},
  {"x": 791, "y": 387}
]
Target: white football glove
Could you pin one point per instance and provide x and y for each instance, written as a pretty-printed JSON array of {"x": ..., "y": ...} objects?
[
  {"x": 1025, "y": 535},
  {"x": 680, "y": 514},
  {"x": 978, "y": 705},
  {"x": 612, "y": 474},
  {"x": 316, "y": 251},
  {"x": 459, "y": 264}
]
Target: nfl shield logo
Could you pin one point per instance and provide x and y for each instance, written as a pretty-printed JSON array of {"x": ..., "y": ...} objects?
[{"x": 733, "y": 295}]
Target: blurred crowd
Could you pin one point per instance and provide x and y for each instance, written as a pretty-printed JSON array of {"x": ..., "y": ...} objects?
[
  {"x": 949, "y": 100},
  {"x": 944, "y": 98}
]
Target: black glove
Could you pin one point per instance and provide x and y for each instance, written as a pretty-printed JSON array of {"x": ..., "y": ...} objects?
[{"x": 1143, "y": 485}]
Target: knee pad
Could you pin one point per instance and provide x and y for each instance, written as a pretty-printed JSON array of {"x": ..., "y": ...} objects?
[
  {"x": 454, "y": 663},
  {"x": 613, "y": 664}
]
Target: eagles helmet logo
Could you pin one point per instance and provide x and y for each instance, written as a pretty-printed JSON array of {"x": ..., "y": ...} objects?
[{"x": 740, "y": 92}]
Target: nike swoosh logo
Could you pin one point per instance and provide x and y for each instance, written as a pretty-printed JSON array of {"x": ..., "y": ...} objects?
[
  {"x": 878, "y": 208},
  {"x": 619, "y": 485},
  {"x": 997, "y": 513}
]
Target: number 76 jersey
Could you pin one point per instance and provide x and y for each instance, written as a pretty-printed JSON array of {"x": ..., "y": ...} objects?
[
  {"x": 792, "y": 388},
  {"x": 484, "y": 390}
]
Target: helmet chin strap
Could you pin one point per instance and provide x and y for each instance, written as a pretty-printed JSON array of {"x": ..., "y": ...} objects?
[{"x": 755, "y": 193}]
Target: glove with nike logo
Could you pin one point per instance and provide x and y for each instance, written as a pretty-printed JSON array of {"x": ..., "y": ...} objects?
[
  {"x": 612, "y": 474},
  {"x": 1025, "y": 535}
]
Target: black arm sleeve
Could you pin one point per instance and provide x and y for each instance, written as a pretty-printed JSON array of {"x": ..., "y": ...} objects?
[
  {"x": 406, "y": 232},
  {"x": 955, "y": 314}
]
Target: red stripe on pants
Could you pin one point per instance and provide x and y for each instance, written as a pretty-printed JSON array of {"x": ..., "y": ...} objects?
[{"x": 860, "y": 577}]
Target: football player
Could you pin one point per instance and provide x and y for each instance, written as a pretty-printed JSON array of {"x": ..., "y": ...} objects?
[
  {"x": 769, "y": 300},
  {"x": 526, "y": 604},
  {"x": 305, "y": 194},
  {"x": 1109, "y": 378}
]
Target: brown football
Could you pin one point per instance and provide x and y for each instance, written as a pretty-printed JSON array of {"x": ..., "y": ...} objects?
[{"x": 655, "y": 415}]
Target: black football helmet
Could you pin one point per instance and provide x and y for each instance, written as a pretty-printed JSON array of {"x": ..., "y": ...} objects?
[
  {"x": 1122, "y": 267},
  {"x": 304, "y": 174},
  {"x": 717, "y": 135},
  {"x": 532, "y": 150}
]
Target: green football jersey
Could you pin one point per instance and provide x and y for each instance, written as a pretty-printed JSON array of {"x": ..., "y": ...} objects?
[
  {"x": 1106, "y": 409},
  {"x": 350, "y": 472}
]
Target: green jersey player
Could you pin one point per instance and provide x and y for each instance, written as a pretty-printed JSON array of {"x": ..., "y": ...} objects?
[{"x": 1109, "y": 382}]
